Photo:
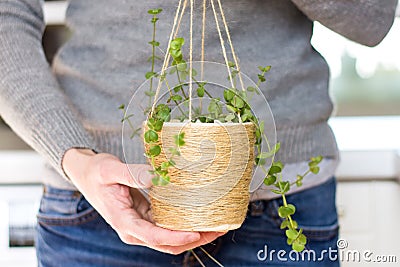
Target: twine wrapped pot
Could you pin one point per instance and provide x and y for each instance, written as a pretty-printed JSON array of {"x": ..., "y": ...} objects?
[{"x": 209, "y": 186}]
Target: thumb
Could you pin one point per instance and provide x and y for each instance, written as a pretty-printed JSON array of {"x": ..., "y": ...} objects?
[{"x": 135, "y": 175}]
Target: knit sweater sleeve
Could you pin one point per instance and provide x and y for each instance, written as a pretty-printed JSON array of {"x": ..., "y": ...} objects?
[
  {"x": 366, "y": 22},
  {"x": 31, "y": 101}
]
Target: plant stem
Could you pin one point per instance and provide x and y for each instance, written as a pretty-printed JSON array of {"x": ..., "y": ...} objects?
[
  {"x": 176, "y": 103},
  {"x": 180, "y": 82},
  {"x": 285, "y": 204},
  {"x": 153, "y": 55}
]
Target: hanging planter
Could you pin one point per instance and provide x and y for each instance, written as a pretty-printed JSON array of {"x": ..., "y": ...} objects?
[
  {"x": 206, "y": 145},
  {"x": 207, "y": 185}
]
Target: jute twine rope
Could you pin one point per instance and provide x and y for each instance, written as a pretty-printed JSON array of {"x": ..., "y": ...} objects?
[
  {"x": 209, "y": 187},
  {"x": 174, "y": 32}
]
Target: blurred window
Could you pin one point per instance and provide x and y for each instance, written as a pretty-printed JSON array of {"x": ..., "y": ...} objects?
[{"x": 365, "y": 81}]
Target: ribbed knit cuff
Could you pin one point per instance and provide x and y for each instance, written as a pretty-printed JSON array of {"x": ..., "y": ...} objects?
[{"x": 54, "y": 138}]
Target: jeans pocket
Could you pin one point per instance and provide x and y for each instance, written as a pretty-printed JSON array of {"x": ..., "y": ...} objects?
[
  {"x": 315, "y": 214},
  {"x": 64, "y": 207}
]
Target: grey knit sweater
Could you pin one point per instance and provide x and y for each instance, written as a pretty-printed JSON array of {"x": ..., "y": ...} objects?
[{"x": 74, "y": 103}]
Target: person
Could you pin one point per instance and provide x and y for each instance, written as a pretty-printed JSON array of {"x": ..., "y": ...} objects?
[{"x": 92, "y": 213}]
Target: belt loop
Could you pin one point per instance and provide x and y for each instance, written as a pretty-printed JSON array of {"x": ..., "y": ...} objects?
[{"x": 257, "y": 208}]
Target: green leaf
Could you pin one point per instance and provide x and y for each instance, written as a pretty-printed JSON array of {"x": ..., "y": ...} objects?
[
  {"x": 237, "y": 102},
  {"x": 150, "y": 93},
  {"x": 251, "y": 89},
  {"x": 291, "y": 234},
  {"x": 285, "y": 224},
  {"x": 264, "y": 155},
  {"x": 202, "y": 119},
  {"x": 292, "y": 208},
  {"x": 262, "y": 127},
  {"x": 150, "y": 136},
  {"x": 274, "y": 169},
  {"x": 165, "y": 165},
  {"x": 261, "y": 78},
  {"x": 260, "y": 162},
  {"x": 174, "y": 152},
  {"x": 159, "y": 181},
  {"x": 317, "y": 159},
  {"x": 126, "y": 118},
  {"x": 179, "y": 139},
  {"x": 150, "y": 74},
  {"x": 231, "y": 109},
  {"x": 122, "y": 107},
  {"x": 175, "y": 98},
  {"x": 154, "y": 11},
  {"x": 153, "y": 57},
  {"x": 154, "y": 124},
  {"x": 135, "y": 132},
  {"x": 297, "y": 247},
  {"x": 154, "y": 43},
  {"x": 247, "y": 111},
  {"x": 228, "y": 95},
  {"x": 157, "y": 126},
  {"x": 177, "y": 88},
  {"x": 163, "y": 115},
  {"x": 230, "y": 117},
  {"x": 155, "y": 150},
  {"x": 245, "y": 117},
  {"x": 214, "y": 107},
  {"x": 270, "y": 180},
  {"x": 177, "y": 43},
  {"x": 176, "y": 54},
  {"x": 181, "y": 66},
  {"x": 278, "y": 192},
  {"x": 200, "y": 91},
  {"x": 264, "y": 69},
  {"x": 284, "y": 186},
  {"x": 302, "y": 239},
  {"x": 231, "y": 64},
  {"x": 285, "y": 211},
  {"x": 314, "y": 169},
  {"x": 277, "y": 147}
]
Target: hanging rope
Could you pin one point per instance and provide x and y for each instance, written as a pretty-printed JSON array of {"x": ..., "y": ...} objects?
[
  {"x": 175, "y": 29},
  {"x": 191, "y": 60},
  {"x": 222, "y": 43},
  {"x": 231, "y": 44},
  {"x": 203, "y": 37},
  {"x": 174, "y": 32}
]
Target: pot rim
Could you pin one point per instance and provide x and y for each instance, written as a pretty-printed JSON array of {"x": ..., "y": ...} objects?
[{"x": 204, "y": 124}]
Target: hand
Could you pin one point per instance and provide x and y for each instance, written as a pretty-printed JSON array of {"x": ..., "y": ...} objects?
[{"x": 110, "y": 188}]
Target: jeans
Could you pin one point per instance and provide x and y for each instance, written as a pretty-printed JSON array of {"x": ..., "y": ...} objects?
[{"x": 71, "y": 233}]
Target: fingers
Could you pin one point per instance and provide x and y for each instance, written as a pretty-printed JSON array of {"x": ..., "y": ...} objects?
[
  {"x": 132, "y": 175},
  {"x": 138, "y": 175},
  {"x": 155, "y": 236},
  {"x": 206, "y": 238}
]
